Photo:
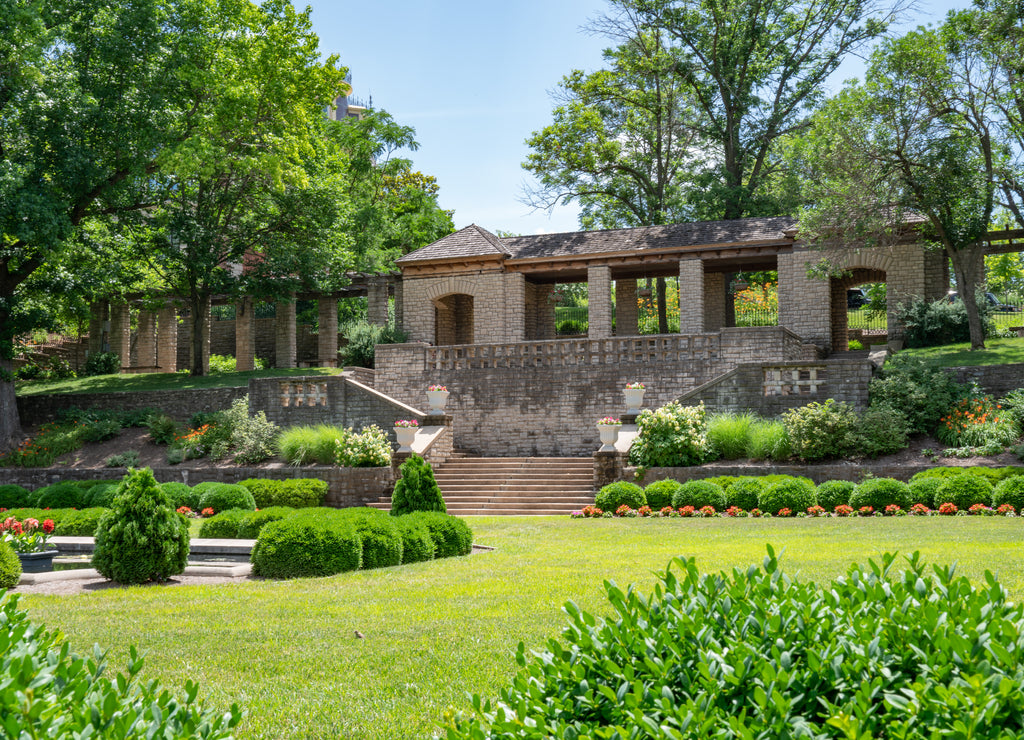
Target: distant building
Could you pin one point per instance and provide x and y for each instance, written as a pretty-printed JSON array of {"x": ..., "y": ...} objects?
[{"x": 347, "y": 105}]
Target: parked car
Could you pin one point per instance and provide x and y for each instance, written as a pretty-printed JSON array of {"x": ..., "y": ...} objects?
[
  {"x": 856, "y": 298},
  {"x": 991, "y": 299}
]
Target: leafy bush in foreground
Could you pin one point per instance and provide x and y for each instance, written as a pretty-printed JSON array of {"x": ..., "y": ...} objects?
[
  {"x": 753, "y": 654},
  {"x": 50, "y": 692},
  {"x": 224, "y": 525}
]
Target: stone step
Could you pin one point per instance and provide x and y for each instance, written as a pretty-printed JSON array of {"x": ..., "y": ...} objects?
[{"x": 505, "y": 485}]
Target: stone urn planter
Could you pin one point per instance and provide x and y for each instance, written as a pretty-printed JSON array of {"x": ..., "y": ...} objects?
[
  {"x": 608, "y": 428},
  {"x": 634, "y": 393},
  {"x": 437, "y": 397},
  {"x": 37, "y": 562},
  {"x": 405, "y": 433}
]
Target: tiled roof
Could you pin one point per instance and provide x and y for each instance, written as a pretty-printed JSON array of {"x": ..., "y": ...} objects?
[
  {"x": 474, "y": 241},
  {"x": 471, "y": 241}
]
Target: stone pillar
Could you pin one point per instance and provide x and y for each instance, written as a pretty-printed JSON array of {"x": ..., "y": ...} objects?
[
  {"x": 327, "y": 338},
  {"x": 714, "y": 301},
  {"x": 120, "y": 333},
  {"x": 599, "y": 302},
  {"x": 97, "y": 316},
  {"x": 284, "y": 329},
  {"x": 377, "y": 300},
  {"x": 626, "y": 312},
  {"x": 245, "y": 335},
  {"x": 167, "y": 340},
  {"x": 399, "y": 305},
  {"x": 145, "y": 345},
  {"x": 545, "y": 316},
  {"x": 691, "y": 296},
  {"x": 607, "y": 468},
  {"x": 805, "y": 303}
]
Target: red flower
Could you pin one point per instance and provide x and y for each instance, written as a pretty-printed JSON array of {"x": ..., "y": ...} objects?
[{"x": 48, "y": 526}]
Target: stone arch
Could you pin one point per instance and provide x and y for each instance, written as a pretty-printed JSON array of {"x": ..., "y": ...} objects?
[
  {"x": 453, "y": 319},
  {"x": 838, "y": 288}
]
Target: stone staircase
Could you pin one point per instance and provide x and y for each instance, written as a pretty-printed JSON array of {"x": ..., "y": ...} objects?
[{"x": 513, "y": 486}]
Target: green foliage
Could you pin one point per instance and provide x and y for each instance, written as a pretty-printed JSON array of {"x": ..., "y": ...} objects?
[
  {"x": 451, "y": 535},
  {"x": 744, "y": 492},
  {"x": 250, "y": 525},
  {"x": 881, "y": 492},
  {"x": 658, "y": 495},
  {"x": 416, "y": 488},
  {"x": 140, "y": 538},
  {"x": 921, "y": 393},
  {"x": 417, "y": 543},
  {"x": 729, "y": 435},
  {"x": 380, "y": 535},
  {"x": 992, "y": 475},
  {"x": 976, "y": 421},
  {"x": 246, "y": 439},
  {"x": 59, "y": 496},
  {"x": 923, "y": 491},
  {"x": 1010, "y": 491},
  {"x": 298, "y": 493},
  {"x": 126, "y": 459},
  {"x": 100, "y": 363},
  {"x": 833, "y": 493},
  {"x": 180, "y": 494},
  {"x": 313, "y": 542},
  {"x": 52, "y": 692},
  {"x": 80, "y": 523},
  {"x": 795, "y": 494},
  {"x": 839, "y": 638},
  {"x": 13, "y": 497},
  {"x": 1013, "y": 405},
  {"x": 620, "y": 493},
  {"x": 10, "y": 566},
  {"x": 880, "y": 430},
  {"x": 820, "y": 431},
  {"x": 672, "y": 436},
  {"x": 698, "y": 494},
  {"x": 964, "y": 491},
  {"x": 100, "y": 430},
  {"x": 934, "y": 323},
  {"x": 162, "y": 429},
  {"x": 333, "y": 445},
  {"x": 101, "y": 494},
  {"x": 362, "y": 338},
  {"x": 223, "y": 525},
  {"x": 223, "y": 496}
]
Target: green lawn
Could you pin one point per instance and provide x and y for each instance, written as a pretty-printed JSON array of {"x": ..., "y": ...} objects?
[
  {"x": 435, "y": 631},
  {"x": 996, "y": 352},
  {"x": 158, "y": 381}
]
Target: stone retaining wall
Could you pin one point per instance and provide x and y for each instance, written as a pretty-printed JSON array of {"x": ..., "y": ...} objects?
[
  {"x": 178, "y": 404},
  {"x": 995, "y": 379}
]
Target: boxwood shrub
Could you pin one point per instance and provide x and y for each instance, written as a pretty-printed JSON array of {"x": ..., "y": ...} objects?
[
  {"x": 223, "y": 526},
  {"x": 833, "y": 493},
  {"x": 14, "y": 497},
  {"x": 698, "y": 494},
  {"x": 614, "y": 495},
  {"x": 964, "y": 491},
  {"x": 223, "y": 496},
  {"x": 744, "y": 492},
  {"x": 101, "y": 495},
  {"x": 659, "y": 494},
  {"x": 451, "y": 535},
  {"x": 299, "y": 493},
  {"x": 1010, "y": 491},
  {"x": 59, "y": 496},
  {"x": 923, "y": 490},
  {"x": 249, "y": 526},
  {"x": 81, "y": 523},
  {"x": 10, "y": 566},
  {"x": 795, "y": 494},
  {"x": 879, "y": 493},
  {"x": 381, "y": 537},
  {"x": 417, "y": 544},
  {"x": 313, "y": 542},
  {"x": 182, "y": 495},
  {"x": 753, "y": 654}
]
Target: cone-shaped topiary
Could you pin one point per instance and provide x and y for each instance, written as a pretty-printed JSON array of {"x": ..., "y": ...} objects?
[
  {"x": 141, "y": 538},
  {"x": 416, "y": 490}
]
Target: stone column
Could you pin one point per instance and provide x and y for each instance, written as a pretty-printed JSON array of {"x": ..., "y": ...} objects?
[
  {"x": 146, "y": 343},
  {"x": 120, "y": 333},
  {"x": 714, "y": 301},
  {"x": 97, "y": 315},
  {"x": 691, "y": 296},
  {"x": 399, "y": 305},
  {"x": 167, "y": 340},
  {"x": 327, "y": 338},
  {"x": 377, "y": 300},
  {"x": 626, "y": 312},
  {"x": 805, "y": 303},
  {"x": 245, "y": 335},
  {"x": 284, "y": 329},
  {"x": 545, "y": 315},
  {"x": 599, "y": 302}
]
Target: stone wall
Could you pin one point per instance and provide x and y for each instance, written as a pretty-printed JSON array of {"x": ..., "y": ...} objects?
[
  {"x": 543, "y": 398},
  {"x": 346, "y": 486},
  {"x": 499, "y": 305},
  {"x": 178, "y": 404},
  {"x": 995, "y": 379}
]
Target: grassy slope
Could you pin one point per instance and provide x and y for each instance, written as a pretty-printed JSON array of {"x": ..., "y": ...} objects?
[
  {"x": 996, "y": 352},
  {"x": 158, "y": 381},
  {"x": 435, "y": 631}
]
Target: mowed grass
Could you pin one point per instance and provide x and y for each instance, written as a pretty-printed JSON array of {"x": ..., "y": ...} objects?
[
  {"x": 287, "y": 651},
  {"x": 996, "y": 352}
]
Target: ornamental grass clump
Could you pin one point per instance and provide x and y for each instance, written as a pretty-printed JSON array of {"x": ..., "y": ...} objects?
[
  {"x": 416, "y": 489},
  {"x": 729, "y": 435},
  {"x": 753, "y": 653},
  {"x": 141, "y": 538},
  {"x": 672, "y": 436}
]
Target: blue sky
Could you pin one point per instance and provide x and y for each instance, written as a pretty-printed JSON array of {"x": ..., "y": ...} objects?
[{"x": 473, "y": 79}]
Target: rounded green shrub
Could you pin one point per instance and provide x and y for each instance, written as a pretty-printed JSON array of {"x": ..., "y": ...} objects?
[
  {"x": 744, "y": 492},
  {"x": 223, "y": 526},
  {"x": 226, "y": 496},
  {"x": 298, "y": 493},
  {"x": 451, "y": 535},
  {"x": 311, "y": 543},
  {"x": 659, "y": 494},
  {"x": 698, "y": 494},
  {"x": 249, "y": 526},
  {"x": 101, "y": 495},
  {"x": 879, "y": 493},
  {"x": 833, "y": 493},
  {"x": 795, "y": 494},
  {"x": 619, "y": 493},
  {"x": 923, "y": 490},
  {"x": 1010, "y": 491},
  {"x": 382, "y": 539},
  {"x": 81, "y": 523},
  {"x": 181, "y": 494},
  {"x": 10, "y": 566},
  {"x": 964, "y": 491},
  {"x": 140, "y": 538},
  {"x": 416, "y": 489},
  {"x": 417, "y": 544},
  {"x": 59, "y": 496},
  {"x": 14, "y": 497}
]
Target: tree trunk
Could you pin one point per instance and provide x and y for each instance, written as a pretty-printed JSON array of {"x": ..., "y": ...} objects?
[
  {"x": 199, "y": 307},
  {"x": 969, "y": 268},
  {"x": 10, "y": 423},
  {"x": 662, "y": 308}
]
